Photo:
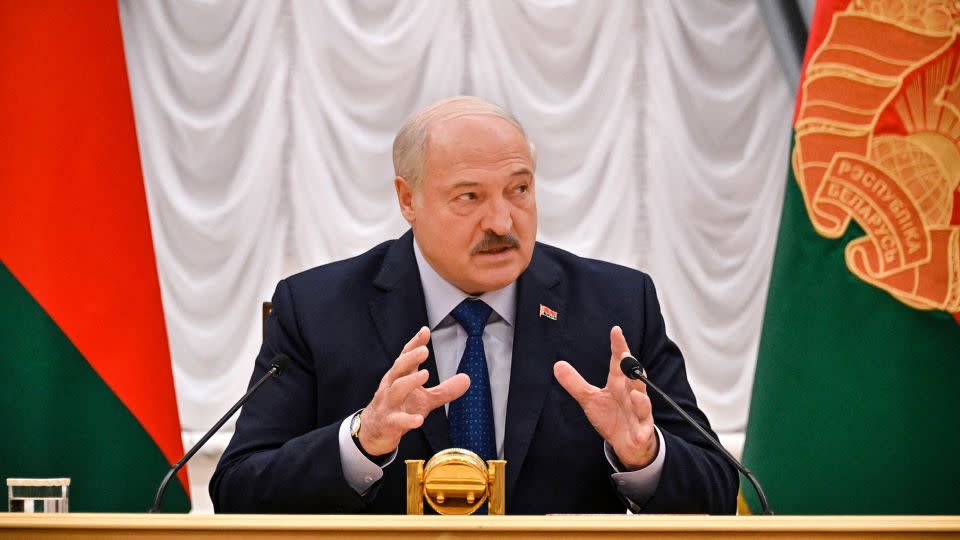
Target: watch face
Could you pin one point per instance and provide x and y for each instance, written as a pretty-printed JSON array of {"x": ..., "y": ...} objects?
[{"x": 355, "y": 425}]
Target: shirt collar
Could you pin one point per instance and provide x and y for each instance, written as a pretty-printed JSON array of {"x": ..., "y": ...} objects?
[{"x": 441, "y": 296}]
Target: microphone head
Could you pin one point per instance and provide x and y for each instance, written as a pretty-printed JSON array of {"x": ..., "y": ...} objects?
[
  {"x": 280, "y": 362},
  {"x": 631, "y": 367}
]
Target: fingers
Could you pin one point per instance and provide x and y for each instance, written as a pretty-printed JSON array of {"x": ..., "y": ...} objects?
[
  {"x": 420, "y": 338},
  {"x": 404, "y": 422},
  {"x": 414, "y": 353},
  {"x": 384, "y": 419},
  {"x": 642, "y": 407},
  {"x": 380, "y": 431},
  {"x": 573, "y": 382},
  {"x": 618, "y": 350},
  {"x": 405, "y": 364},
  {"x": 616, "y": 379},
  {"x": 397, "y": 392},
  {"x": 447, "y": 391},
  {"x": 624, "y": 385},
  {"x": 643, "y": 438}
]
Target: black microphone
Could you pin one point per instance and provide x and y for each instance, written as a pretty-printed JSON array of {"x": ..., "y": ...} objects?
[
  {"x": 632, "y": 369},
  {"x": 277, "y": 365}
]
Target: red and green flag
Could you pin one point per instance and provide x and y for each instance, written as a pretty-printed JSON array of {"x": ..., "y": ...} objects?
[
  {"x": 855, "y": 400},
  {"x": 87, "y": 386}
]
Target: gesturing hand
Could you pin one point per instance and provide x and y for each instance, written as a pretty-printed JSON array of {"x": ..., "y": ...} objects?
[
  {"x": 620, "y": 411},
  {"x": 401, "y": 402}
]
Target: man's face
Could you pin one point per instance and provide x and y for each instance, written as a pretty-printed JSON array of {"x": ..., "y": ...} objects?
[{"x": 474, "y": 214}]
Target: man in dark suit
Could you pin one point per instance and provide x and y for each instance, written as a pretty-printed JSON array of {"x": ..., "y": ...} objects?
[{"x": 466, "y": 332}]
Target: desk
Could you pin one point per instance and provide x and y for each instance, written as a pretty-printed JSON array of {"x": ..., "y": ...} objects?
[{"x": 190, "y": 527}]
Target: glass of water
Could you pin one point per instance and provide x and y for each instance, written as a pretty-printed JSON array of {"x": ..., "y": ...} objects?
[{"x": 38, "y": 494}]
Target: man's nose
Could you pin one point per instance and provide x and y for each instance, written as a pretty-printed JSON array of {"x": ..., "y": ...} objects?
[{"x": 497, "y": 218}]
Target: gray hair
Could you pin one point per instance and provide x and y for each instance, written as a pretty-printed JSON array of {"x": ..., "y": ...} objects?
[{"x": 410, "y": 144}]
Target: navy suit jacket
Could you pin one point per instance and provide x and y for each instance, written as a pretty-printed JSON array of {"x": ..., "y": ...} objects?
[{"x": 343, "y": 324}]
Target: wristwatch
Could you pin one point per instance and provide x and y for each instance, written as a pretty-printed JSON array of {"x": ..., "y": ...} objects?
[
  {"x": 355, "y": 428},
  {"x": 355, "y": 433}
]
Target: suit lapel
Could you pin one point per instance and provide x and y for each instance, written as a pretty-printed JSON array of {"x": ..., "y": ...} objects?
[
  {"x": 535, "y": 343},
  {"x": 398, "y": 310}
]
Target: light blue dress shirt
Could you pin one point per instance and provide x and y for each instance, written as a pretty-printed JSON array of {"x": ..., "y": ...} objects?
[{"x": 449, "y": 339}]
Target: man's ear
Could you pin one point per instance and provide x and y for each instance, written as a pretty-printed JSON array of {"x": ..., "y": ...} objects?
[{"x": 405, "y": 197}]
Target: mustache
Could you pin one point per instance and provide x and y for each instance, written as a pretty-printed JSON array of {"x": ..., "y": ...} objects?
[{"x": 495, "y": 241}]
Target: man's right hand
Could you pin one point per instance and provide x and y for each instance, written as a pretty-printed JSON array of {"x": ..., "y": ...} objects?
[{"x": 401, "y": 402}]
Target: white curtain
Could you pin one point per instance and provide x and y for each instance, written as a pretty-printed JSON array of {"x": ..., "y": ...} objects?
[
  {"x": 265, "y": 129},
  {"x": 717, "y": 134},
  {"x": 360, "y": 69},
  {"x": 209, "y": 83},
  {"x": 566, "y": 70}
]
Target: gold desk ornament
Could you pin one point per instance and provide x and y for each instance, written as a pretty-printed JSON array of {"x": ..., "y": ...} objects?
[{"x": 456, "y": 482}]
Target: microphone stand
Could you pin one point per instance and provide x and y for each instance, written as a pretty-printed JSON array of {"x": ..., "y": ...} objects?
[
  {"x": 632, "y": 369},
  {"x": 276, "y": 367}
]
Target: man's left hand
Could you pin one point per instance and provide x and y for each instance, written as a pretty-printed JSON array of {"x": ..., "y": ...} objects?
[{"x": 620, "y": 411}]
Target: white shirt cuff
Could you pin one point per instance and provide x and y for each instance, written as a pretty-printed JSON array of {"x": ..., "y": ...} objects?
[
  {"x": 638, "y": 486},
  {"x": 361, "y": 473}
]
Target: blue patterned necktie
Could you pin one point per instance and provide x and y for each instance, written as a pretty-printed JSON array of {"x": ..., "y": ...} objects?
[{"x": 471, "y": 415}]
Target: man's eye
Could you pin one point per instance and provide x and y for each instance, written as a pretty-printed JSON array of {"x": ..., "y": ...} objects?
[
  {"x": 469, "y": 196},
  {"x": 522, "y": 188}
]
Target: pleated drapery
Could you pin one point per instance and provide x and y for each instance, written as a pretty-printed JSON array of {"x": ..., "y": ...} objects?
[{"x": 265, "y": 129}]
